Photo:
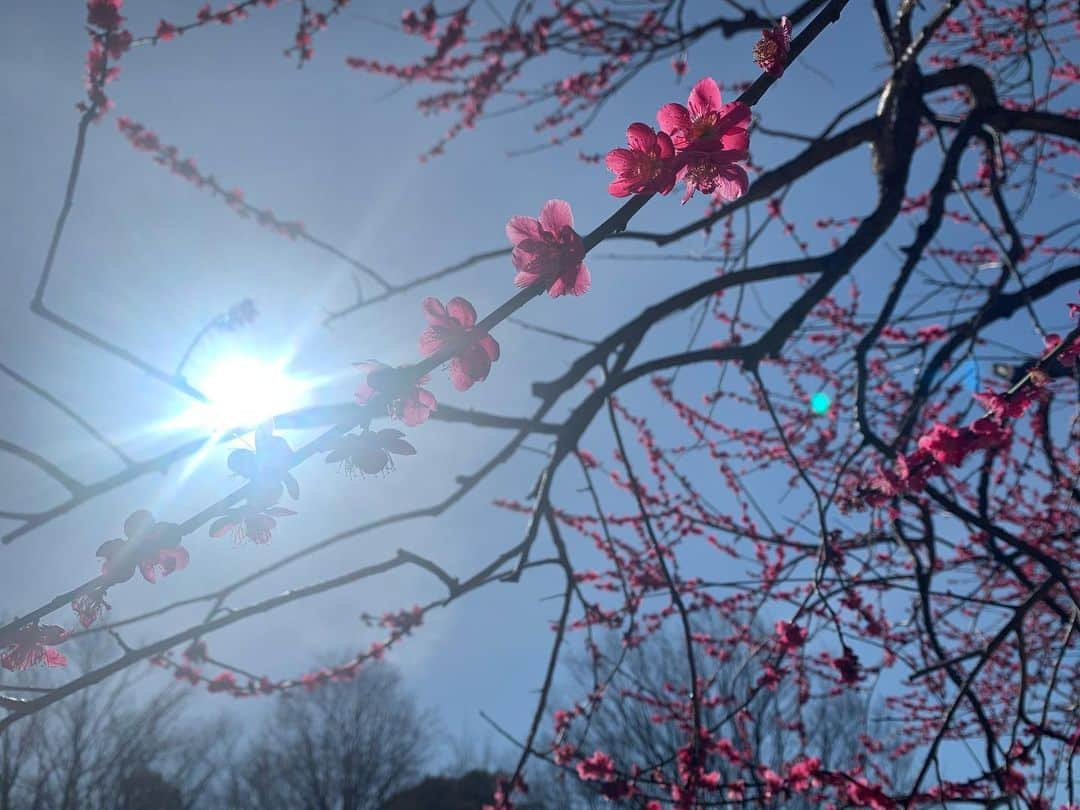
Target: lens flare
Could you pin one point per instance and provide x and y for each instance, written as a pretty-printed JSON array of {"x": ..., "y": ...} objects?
[
  {"x": 820, "y": 403},
  {"x": 243, "y": 391}
]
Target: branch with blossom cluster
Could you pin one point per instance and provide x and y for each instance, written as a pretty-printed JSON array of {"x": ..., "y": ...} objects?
[{"x": 547, "y": 253}]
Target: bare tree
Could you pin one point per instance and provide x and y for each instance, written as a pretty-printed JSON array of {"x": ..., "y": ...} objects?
[
  {"x": 112, "y": 748},
  {"x": 346, "y": 746},
  {"x": 757, "y": 722}
]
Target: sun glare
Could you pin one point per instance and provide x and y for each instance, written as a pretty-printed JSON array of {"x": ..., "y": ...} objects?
[{"x": 243, "y": 391}]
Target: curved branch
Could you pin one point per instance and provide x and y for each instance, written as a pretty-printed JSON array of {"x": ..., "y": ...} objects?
[
  {"x": 73, "y": 486},
  {"x": 69, "y": 412}
]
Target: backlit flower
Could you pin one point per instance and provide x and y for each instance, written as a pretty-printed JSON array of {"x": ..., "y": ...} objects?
[
  {"x": 266, "y": 467},
  {"x": 548, "y": 250},
  {"x": 712, "y": 139},
  {"x": 32, "y": 645},
  {"x": 104, "y": 13},
  {"x": 89, "y": 606},
  {"x": 598, "y": 767},
  {"x": 249, "y": 523},
  {"x": 713, "y": 173},
  {"x": 370, "y": 452},
  {"x": 648, "y": 166},
  {"x": 790, "y": 636},
  {"x": 771, "y": 51},
  {"x": 453, "y": 327},
  {"x": 706, "y": 123},
  {"x": 405, "y": 399},
  {"x": 150, "y": 545},
  {"x": 847, "y": 667}
]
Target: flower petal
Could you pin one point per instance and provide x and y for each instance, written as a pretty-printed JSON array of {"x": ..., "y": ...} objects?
[
  {"x": 222, "y": 526},
  {"x": 732, "y": 183},
  {"x": 177, "y": 559},
  {"x": 414, "y": 412},
  {"x": 477, "y": 363},
  {"x": 427, "y": 399},
  {"x": 575, "y": 283},
  {"x": 461, "y": 311},
  {"x": 434, "y": 311},
  {"x": 147, "y": 569},
  {"x": 364, "y": 391},
  {"x": 459, "y": 374},
  {"x": 110, "y": 548},
  {"x": 51, "y": 634},
  {"x": 373, "y": 462},
  {"x": 737, "y": 139},
  {"x": 621, "y": 160},
  {"x": 399, "y": 446},
  {"x": 138, "y": 523},
  {"x": 620, "y": 187},
  {"x": 555, "y": 215},
  {"x": 520, "y": 228},
  {"x": 705, "y": 97},
  {"x": 583, "y": 282},
  {"x": 735, "y": 114},
  {"x": 641, "y": 137},
  {"x": 523, "y": 278},
  {"x": 673, "y": 117},
  {"x": 431, "y": 342},
  {"x": 242, "y": 462},
  {"x": 666, "y": 147},
  {"x": 491, "y": 346}
]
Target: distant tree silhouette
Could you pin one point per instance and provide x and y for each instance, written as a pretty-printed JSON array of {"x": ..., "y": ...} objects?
[
  {"x": 345, "y": 746},
  {"x": 626, "y": 729},
  {"x": 112, "y": 748},
  {"x": 145, "y": 789},
  {"x": 464, "y": 792}
]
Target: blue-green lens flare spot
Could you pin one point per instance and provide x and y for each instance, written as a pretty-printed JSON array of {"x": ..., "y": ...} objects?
[{"x": 820, "y": 403}]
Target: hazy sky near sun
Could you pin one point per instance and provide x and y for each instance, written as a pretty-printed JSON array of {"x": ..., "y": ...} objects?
[{"x": 148, "y": 259}]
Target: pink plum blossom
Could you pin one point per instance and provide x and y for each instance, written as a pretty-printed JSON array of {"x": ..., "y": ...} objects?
[
  {"x": 647, "y": 167},
  {"x": 249, "y": 523},
  {"x": 771, "y": 51},
  {"x": 104, "y": 14},
  {"x": 150, "y": 545},
  {"x": 598, "y": 767},
  {"x": 706, "y": 123},
  {"x": 89, "y": 606},
  {"x": 32, "y": 645},
  {"x": 712, "y": 139},
  {"x": 408, "y": 403},
  {"x": 549, "y": 250},
  {"x": 790, "y": 636},
  {"x": 454, "y": 327},
  {"x": 370, "y": 452}
]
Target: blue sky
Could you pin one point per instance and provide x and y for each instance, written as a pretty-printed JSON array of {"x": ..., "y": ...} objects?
[{"x": 147, "y": 259}]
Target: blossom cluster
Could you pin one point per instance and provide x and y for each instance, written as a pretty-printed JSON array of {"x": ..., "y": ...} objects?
[
  {"x": 32, "y": 645},
  {"x": 191, "y": 669},
  {"x": 701, "y": 144},
  {"x": 109, "y": 40},
  {"x": 146, "y": 140},
  {"x": 149, "y": 545},
  {"x": 946, "y": 445},
  {"x": 771, "y": 51}
]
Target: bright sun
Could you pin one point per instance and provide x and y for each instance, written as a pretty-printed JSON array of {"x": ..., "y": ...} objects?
[{"x": 243, "y": 391}]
